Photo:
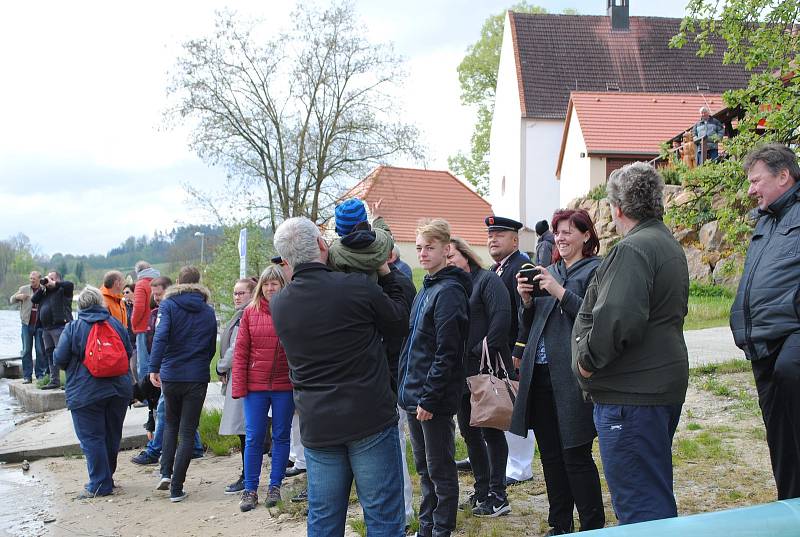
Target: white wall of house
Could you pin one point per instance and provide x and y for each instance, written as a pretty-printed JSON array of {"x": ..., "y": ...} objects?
[
  {"x": 506, "y": 142},
  {"x": 542, "y": 140},
  {"x": 575, "y": 169}
]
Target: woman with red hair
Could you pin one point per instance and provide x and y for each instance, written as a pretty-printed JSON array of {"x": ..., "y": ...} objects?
[{"x": 550, "y": 401}]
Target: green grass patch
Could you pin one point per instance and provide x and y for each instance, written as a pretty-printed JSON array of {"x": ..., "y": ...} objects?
[
  {"x": 697, "y": 289},
  {"x": 44, "y": 381},
  {"x": 708, "y": 312},
  {"x": 758, "y": 433},
  {"x": 722, "y": 368},
  {"x": 693, "y": 426},
  {"x": 419, "y": 275},
  {"x": 716, "y": 387},
  {"x": 209, "y": 433},
  {"x": 702, "y": 446},
  {"x": 212, "y": 367}
]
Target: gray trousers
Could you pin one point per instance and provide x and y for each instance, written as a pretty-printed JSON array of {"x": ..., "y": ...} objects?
[{"x": 50, "y": 337}]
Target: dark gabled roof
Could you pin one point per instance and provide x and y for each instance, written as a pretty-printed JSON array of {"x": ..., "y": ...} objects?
[{"x": 558, "y": 54}]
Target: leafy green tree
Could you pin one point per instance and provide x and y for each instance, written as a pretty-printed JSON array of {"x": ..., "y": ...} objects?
[
  {"x": 760, "y": 35},
  {"x": 477, "y": 74},
  {"x": 223, "y": 271}
]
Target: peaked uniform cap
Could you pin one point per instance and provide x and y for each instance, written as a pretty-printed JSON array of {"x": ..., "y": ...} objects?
[{"x": 499, "y": 223}]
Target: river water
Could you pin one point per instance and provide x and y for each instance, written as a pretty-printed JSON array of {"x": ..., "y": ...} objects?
[{"x": 23, "y": 509}]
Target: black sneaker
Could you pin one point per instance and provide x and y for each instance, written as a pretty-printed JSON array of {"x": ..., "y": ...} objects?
[
  {"x": 558, "y": 531},
  {"x": 473, "y": 500},
  {"x": 144, "y": 459},
  {"x": 492, "y": 507},
  {"x": 236, "y": 488},
  {"x": 294, "y": 471},
  {"x": 273, "y": 497},
  {"x": 51, "y": 386},
  {"x": 300, "y": 498},
  {"x": 249, "y": 501}
]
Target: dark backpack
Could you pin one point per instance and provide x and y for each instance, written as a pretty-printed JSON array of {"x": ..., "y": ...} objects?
[{"x": 105, "y": 354}]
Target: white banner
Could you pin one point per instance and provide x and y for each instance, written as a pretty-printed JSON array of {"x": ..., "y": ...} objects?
[{"x": 243, "y": 252}]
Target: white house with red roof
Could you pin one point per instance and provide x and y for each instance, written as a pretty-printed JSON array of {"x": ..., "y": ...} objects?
[
  {"x": 409, "y": 195},
  {"x": 546, "y": 57},
  {"x": 604, "y": 131}
]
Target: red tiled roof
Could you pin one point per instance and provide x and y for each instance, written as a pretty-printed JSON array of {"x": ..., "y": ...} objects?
[
  {"x": 633, "y": 124},
  {"x": 559, "y": 54},
  {"x": 409, "y": 195}
]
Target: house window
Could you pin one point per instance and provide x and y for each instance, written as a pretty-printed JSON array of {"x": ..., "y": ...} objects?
[{"x": 503, "y": 186}]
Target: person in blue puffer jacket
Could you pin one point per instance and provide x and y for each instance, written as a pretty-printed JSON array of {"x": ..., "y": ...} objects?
[
  {"x": 183, "y": 346},
  {"x": 432, "y": 376},
  {"x": 97, "y": 405}
]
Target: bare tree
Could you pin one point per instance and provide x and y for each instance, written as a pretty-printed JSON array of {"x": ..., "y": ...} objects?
[{"x": 296, "y": 116}]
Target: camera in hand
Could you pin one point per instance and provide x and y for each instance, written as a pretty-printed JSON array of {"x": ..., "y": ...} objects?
[
  {"x": 529, "y": 271},
  {"x": 44, "y": 281}
]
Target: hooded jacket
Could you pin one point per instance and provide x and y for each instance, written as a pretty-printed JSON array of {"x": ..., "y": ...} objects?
[
  {"x": 115, "y": 305},
  {"x": 259, "y": 361},
  {"x": 332, "y": 325},
  {"x": 432, "y": 361},
  {"x": 767, "y": 304},
  {"x": 544, "y": 249},
  {"x": 141, "y": 299},
  {"x": 186, "y": 335},
  {"x": 55, "y": 304},
  {"x": 82, "y": 388},
  {"x": 363, "y": 250}
]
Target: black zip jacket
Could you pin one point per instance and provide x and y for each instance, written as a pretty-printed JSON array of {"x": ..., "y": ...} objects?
[
  {"x": 767, "y": 304},
  {"x": 55, "y": 305},
  {"x": 432, "y": 361},
  {"x": 332, "y": 326}
]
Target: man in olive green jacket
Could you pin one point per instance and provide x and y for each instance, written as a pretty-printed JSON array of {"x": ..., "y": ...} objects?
[{"x": 628, "y": 350}]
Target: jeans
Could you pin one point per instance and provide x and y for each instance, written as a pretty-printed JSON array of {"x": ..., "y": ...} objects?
[
  {"x": 374, "y": 462},
  {"x": 778, "y": 384},
  {"x": 27, "y": 334},
  {"x": 154, "y": 446},
  {"x": 488, "y": 453},
  {"x": 184, "y": 402},
  {"x": 50, "y": 338},
  {"x": 256, "y": 405},
  {"x": 636, "y": 448},
  {"x": 142, "y": 356},
  {"x": 99, "y": 429},
  {"x": 570, "y": 474},
  {"x": 433, "y": 442}
]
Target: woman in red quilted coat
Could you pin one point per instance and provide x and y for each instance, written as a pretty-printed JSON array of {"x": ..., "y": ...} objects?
[{"x": 260, "y": 376}]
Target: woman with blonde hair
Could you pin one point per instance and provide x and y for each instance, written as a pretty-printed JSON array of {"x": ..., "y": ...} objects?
[
  {"x": 490, "y": 316},
  {"x": 260, "y": 376}
]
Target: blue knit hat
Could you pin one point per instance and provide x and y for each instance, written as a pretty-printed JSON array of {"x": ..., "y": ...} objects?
[{"x": 349, "y": 214}]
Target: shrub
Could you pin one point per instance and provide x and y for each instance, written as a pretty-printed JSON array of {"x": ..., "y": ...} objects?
[
  {"x": 697, "y": 289},
  {"x": 598, "y": 193}
]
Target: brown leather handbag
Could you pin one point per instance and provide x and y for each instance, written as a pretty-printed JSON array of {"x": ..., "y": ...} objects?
[{"x": 491, "y": 397}]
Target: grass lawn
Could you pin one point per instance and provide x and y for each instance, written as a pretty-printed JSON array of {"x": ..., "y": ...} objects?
[{"x": 708, "y": 312}]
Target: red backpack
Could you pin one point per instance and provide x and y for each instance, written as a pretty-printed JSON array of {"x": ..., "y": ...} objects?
[{"x": 105, "y": 354}]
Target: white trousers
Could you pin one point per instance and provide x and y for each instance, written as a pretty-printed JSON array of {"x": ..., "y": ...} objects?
[
  {"x": 520, "y": 456},
  {"x": 402, "y": 426},
  {"x": 296, "y": 452}
]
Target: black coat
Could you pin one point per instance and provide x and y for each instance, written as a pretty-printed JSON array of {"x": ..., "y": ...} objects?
[
  {"x": 55, "y": 305},
  {"x": 489, "y": 317},
  {"x": 509, "y": 276},
  {"x": 332, "y": 326},
  {"x": 553, "y": 320},
  {"x": 432, "y": 361}
]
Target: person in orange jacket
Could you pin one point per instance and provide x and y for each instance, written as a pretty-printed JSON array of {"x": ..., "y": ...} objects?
[{"x": 112, "y": 295}]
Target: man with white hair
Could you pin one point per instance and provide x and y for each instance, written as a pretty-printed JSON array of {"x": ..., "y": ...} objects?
[
  {"x": 331, "y": 325},
  {"x": 707, "y": 132}
]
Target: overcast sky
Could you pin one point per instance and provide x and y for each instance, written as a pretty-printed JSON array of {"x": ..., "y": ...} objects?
[{"x": 84, "y": 158}]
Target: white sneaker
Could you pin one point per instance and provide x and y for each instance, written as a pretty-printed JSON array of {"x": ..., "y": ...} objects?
[
  {"x": 179, "y": 498},
  {"x": 164, "y": 483}
]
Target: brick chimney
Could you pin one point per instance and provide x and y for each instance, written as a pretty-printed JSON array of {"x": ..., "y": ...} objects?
[{"x": 619, "y": 12}]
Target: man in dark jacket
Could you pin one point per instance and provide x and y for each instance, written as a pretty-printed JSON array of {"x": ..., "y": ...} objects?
[
  {"x": 764, "y": 317},
  {"x": 545, "y": 244},
  {"x": 331, "y": 325},
  {"x": 432, "y": 376},
  {"x": 503, "y": 244},
  {"x": 628, "y": 349},
  {"x": 55, "y": 311},
  {"x": 183, "y": 346}
]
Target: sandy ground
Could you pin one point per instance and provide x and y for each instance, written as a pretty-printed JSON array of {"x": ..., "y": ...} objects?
[{"x": 136, "y": 509}]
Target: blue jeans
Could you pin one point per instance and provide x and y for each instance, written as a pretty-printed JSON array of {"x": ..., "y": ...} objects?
[
  {"x": 99, "y": 429},
  {"x": 636, "y": 449},
  {"x": 41, "y": 367},
  {"x": 154, "y": 446},
  {"x": 375, "y": 463},
  {"x": 256, "y": 405},
  {"x": 27, "y": 351},
  {"x": 142, "y": 356}
]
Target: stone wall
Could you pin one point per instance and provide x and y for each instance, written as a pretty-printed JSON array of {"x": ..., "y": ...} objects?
[{"x": 709, "y": 255}]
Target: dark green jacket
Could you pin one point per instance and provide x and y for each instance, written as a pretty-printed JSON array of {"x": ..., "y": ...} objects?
[{"x": 629, "y": 330}]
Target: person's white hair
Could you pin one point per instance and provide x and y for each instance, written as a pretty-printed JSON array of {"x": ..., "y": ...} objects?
[
  {"x": 140, "y": 266},
  {"x": 295, "y": 241},
  {"x": 638, "y": 190},
  {"x": 704, "y": 109},
  {"x": 89, "y": 297}
]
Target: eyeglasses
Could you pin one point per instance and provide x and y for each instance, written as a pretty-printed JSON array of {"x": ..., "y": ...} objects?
[{"x": 240, "y": 293}]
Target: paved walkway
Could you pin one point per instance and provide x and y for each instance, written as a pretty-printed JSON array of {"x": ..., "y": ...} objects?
[
  {"x": 711, "y": 346},
  {"x": 51, "y": 434}
]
